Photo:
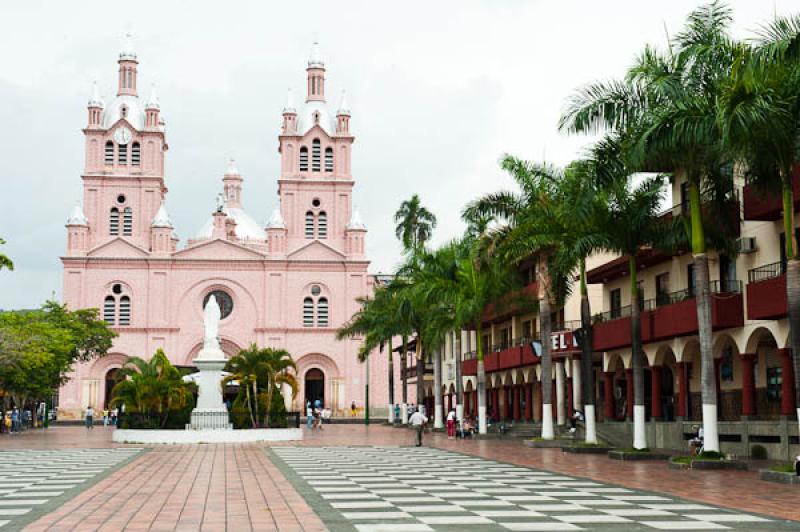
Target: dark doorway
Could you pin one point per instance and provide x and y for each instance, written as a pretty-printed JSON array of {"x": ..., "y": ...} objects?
[
  {"x": 315, "y": 386},
  {"x": 111, "y": 381}
]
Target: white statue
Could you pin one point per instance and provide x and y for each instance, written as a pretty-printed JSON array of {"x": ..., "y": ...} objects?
[{"x": 211, "y": 317}]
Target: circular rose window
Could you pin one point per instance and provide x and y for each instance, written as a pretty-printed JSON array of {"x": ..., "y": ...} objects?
[{"x": 223, "y": 300}]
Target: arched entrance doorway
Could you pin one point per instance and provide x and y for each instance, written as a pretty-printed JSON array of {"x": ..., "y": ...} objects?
[
  {"x": 110, "y": 382},
  {"x": 315, "y": 385}
]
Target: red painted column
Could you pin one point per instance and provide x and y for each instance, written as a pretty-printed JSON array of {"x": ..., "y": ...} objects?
[
  {"x": 517, "y": 401},
  {"x": 683, "y": 390},
  {"x": 629, "y": 393},
  {"x": 608, "y": 395},
  {"x": 528, "y": 401},
  {"x": 655, "y": 392},
  {"x": 504, "y": 403},
  {"x": 541, "y": 402},
  {"x": 474, "y": 404},
  {"x": 748, "y": 384},
  {"x": 787, "y": 385}
]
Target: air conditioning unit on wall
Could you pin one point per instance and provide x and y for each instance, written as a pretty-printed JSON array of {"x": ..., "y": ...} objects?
[{"x": 746, "y": 244}]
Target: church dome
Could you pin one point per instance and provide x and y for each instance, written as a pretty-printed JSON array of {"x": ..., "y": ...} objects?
[
  {"x": 134, "y": 111},
  {"x": 307, "y": 117},
  {"x": 246, "y": 227}
]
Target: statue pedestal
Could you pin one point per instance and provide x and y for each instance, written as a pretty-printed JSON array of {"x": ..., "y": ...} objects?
[{"x": 209, "y": 412}]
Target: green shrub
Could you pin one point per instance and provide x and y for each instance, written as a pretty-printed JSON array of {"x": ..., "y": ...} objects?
[
  {"x": 783, "y": 468},
  {"x": 710, "y": 455},
  {"x": 758, "y": 452}
]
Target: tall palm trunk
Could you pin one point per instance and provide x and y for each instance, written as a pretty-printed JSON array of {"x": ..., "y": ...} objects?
[
  {"x": 792, "y": 282},
  {"x": 708, "y": 384},
  {"x": 547, "y": 360},
  {"x": 420, "y": 374},
  {"x": 438, "y": 418},
  {"x": 586, "y": 360},
  {"x": 482, "y": 422},
  {"x": 404, "y": 378},
  {"x": 639, "y": 429},
  {"x": 391, "y": 384},
  {"x": 249, "y": 405},
  {"x": 255, "y": 401},
  {"x": 459, "y": 385}
]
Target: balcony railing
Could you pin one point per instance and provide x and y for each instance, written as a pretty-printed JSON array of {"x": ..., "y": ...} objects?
[
  {"x": 768, "y": 271},
  {"x": 662, "y": 300}
]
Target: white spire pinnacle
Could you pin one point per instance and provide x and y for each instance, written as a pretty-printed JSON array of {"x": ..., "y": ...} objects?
[
  {"x": 276, "y": 220},
  {"x": 96, "y": 100},
  {"x": 232, "y": 168},
  {"x": 152, "y": 101},
  {"x": 127, "y": 50},
  {"x": 161, "y": 218},
  {"x": 289, "y": 102},
  {"x": 356, "y": 222},
  {"x": 315, "y": 60},
  {"x": 76, "y": 216},
  {"x": 344, "y": 109}
]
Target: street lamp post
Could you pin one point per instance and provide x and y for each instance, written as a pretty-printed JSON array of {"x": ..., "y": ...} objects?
[{"x": 366, "y": 392}]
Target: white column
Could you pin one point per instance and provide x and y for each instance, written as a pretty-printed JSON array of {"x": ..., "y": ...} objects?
[
  {"x": 577, "y": 398},
  {"x": 561, "y": 402},
  {"x": 438, "y": 418}
]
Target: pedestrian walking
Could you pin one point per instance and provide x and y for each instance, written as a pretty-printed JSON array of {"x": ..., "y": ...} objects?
[
  {"x": 309, "y": 415},
  {"x": 396, "y": 412},
  {"x": 90, "y": 417},
  {"x": 451, "y": 424},
  {"x": 353, "y": 409},
  {"x": 317, "y": 419},
  {"x": 418, "y": 421},
  {"x": 105, "y": 417},
  {"x": 114, "y": 416}
]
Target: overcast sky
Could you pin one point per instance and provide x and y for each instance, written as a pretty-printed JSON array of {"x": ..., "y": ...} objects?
[{"x": 438, "y": 92}]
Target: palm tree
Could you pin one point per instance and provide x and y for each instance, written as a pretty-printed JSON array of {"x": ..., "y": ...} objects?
[
  {"x": 277, "y": 363},
  {"x": 415, "y": 223},
  {"x": 151, "y": 388},
  {"x": 5, "y": 262},
  {"x": 377, "y": 323},
  {"x": 528, "y": 229},
  {"x": 760, "y": 111},
  {"x": 667, "y": 108},
  {"x": 244, "y": 368},
  {"x": 631, "y": 225}
]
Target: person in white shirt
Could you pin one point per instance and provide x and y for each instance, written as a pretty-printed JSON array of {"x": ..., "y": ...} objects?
[
  {"x": 451, "y": 424},
  {"x": 418, "y": 421}
]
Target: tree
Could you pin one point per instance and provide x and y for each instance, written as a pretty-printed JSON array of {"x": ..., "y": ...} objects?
[
  {"x": 257, "y": 369},
  {"x": 630, "y": 225},
  {"x": 528, "y": 229},
  {"x": 39, "y": 348},
  {"x": 5, "y": 262},
  {"x": 152, "y": 389},
  {"x": 760, "y": 113},
  {"x": 666, "y": 109},
  {"x": 415, "y": 223}
]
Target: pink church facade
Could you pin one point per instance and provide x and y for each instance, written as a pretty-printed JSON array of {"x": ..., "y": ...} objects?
[{"x": 289, "y": 283}]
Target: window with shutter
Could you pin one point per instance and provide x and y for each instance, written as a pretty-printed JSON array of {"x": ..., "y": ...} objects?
[
  {"x": 109, "y": 153},
  {"x": 322, "y": 312},
  {"x": 322, "y": 225},
  {"x": 136, "y": 154},
  {"x": 308, "y": 312},
  {"x": 127, "y": 221},
  {"x": 113, "y": 222},
  {"x": 109, "y": 310},
  {"x": 122, "y": 154},
  {"x": 124, "y": 310},
  {"x": 315, "y": 155},
  {"x": 304, "y": 159},
  {"x": 309, "y": 224},
  {"x": 329, "y": 159}
]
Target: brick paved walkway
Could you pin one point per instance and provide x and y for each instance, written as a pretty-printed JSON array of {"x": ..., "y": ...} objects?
[{"x": 177, "y": 487}]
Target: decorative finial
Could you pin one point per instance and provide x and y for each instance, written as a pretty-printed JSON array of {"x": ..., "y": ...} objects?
[
  {"x": 95, "y": 100},
  {"x": 127, "y": 50},
  {"x": 220, "y": 202},
  {"x": 344, "y": 109},
  {"x": 152, "y": 101},
  {"x": 289, "y": 102},
  {"x": 315, "y": 60},
  {"x": 232, "y": 168}
]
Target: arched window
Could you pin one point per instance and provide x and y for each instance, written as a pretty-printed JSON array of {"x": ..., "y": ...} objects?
[
  {"x": 308, "y": 312},
  {"x": 127, "y": 221},
  {"x": 315, "y": 155},
  {"x": 109, "y": 310},
  {"x": 304, "y": 159},
  {"x": 322, "y": 225},
  {"x": 124, "y": 310},
  {"x": 122, "y": 154},
  {"x": 322, "y": 312},
  {"x": 109, "y": 152},
  {"x": 309, "y": 224},
  {"x": 329, "y": 159},
  {"x": 113, "y": 222},
  {"x": 136, "y": 154}
]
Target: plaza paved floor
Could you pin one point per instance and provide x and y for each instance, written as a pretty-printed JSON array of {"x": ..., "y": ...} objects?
[{"x": 256, "y": 487}]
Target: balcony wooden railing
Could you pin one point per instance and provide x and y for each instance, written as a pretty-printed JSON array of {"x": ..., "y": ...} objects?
[{"x": 766, "y": 292}]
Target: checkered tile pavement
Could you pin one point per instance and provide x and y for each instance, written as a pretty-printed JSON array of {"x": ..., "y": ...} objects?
[
  {"x": 398, "y": 489},
  {"x": 37, "y": 480}
]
